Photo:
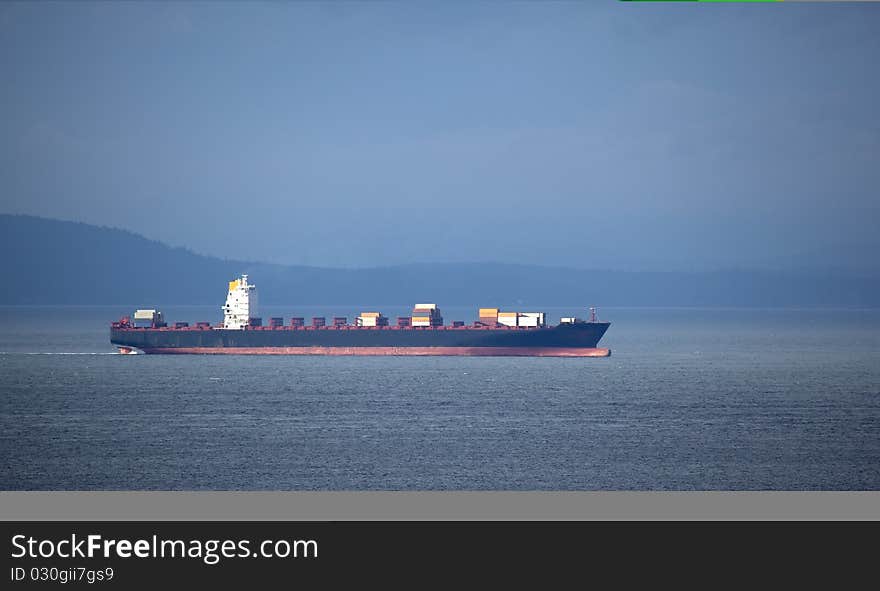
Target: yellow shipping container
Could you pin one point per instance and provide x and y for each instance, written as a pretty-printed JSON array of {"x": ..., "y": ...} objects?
[
  {"x": 370, "y": 314},
  {"x": 508, "y": 314},
  {"x": 486, "y": 312}
]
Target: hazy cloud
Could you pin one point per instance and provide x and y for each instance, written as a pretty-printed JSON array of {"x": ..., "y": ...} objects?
[{"x": 372, "y": 133}]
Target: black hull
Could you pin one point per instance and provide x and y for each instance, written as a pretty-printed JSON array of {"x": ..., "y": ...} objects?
[{"x": 470, "y": 341}]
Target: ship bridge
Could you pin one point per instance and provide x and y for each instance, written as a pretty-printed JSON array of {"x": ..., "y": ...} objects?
[{"x": 241, "y": 304}]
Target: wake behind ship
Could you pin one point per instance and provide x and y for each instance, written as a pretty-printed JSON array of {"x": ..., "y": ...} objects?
[{"x": 495, "y": 333}]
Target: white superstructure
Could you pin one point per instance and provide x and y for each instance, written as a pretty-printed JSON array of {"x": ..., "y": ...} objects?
[{"x": 241, "y": 304}]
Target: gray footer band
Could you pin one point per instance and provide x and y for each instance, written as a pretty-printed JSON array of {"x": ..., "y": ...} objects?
[{"x": 385, "y": 506}]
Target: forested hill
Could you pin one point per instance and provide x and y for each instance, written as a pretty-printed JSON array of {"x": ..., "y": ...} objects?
[{"x": 57, "y": 262}]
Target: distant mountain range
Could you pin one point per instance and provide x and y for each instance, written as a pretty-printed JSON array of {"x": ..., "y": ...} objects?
[{"x": 56, "y": 262}]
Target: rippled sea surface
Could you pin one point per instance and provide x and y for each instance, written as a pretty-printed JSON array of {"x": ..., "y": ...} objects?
[{"x": 690, "y": 399}]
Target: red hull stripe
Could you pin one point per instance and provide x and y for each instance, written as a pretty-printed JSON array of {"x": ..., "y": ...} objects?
[{"x": 419, "y": 351}]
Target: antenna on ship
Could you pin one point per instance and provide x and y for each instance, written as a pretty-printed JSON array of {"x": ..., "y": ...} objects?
[{"x": 593, "y": 314}]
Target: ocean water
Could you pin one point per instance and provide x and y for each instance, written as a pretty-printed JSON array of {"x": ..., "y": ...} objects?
[{"x": 691, "y": 399}]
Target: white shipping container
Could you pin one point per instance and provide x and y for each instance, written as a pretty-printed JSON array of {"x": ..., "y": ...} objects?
[
  {"x": 537, "y": 315},
  {"x": 426, "y": 306},
  {"x": 568, "y": 320},
  {"x": 528, "y": 321},
  {"x": 507, "y": 320},
  {"x": 366, "y": 321},
  {"x": 145, "y": 314}
]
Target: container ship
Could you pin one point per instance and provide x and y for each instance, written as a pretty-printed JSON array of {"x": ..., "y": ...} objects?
[{"x": 494, "y": 333}]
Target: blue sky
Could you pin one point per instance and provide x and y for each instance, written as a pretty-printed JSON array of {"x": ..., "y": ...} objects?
[{"x": 606, "y": 135}]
